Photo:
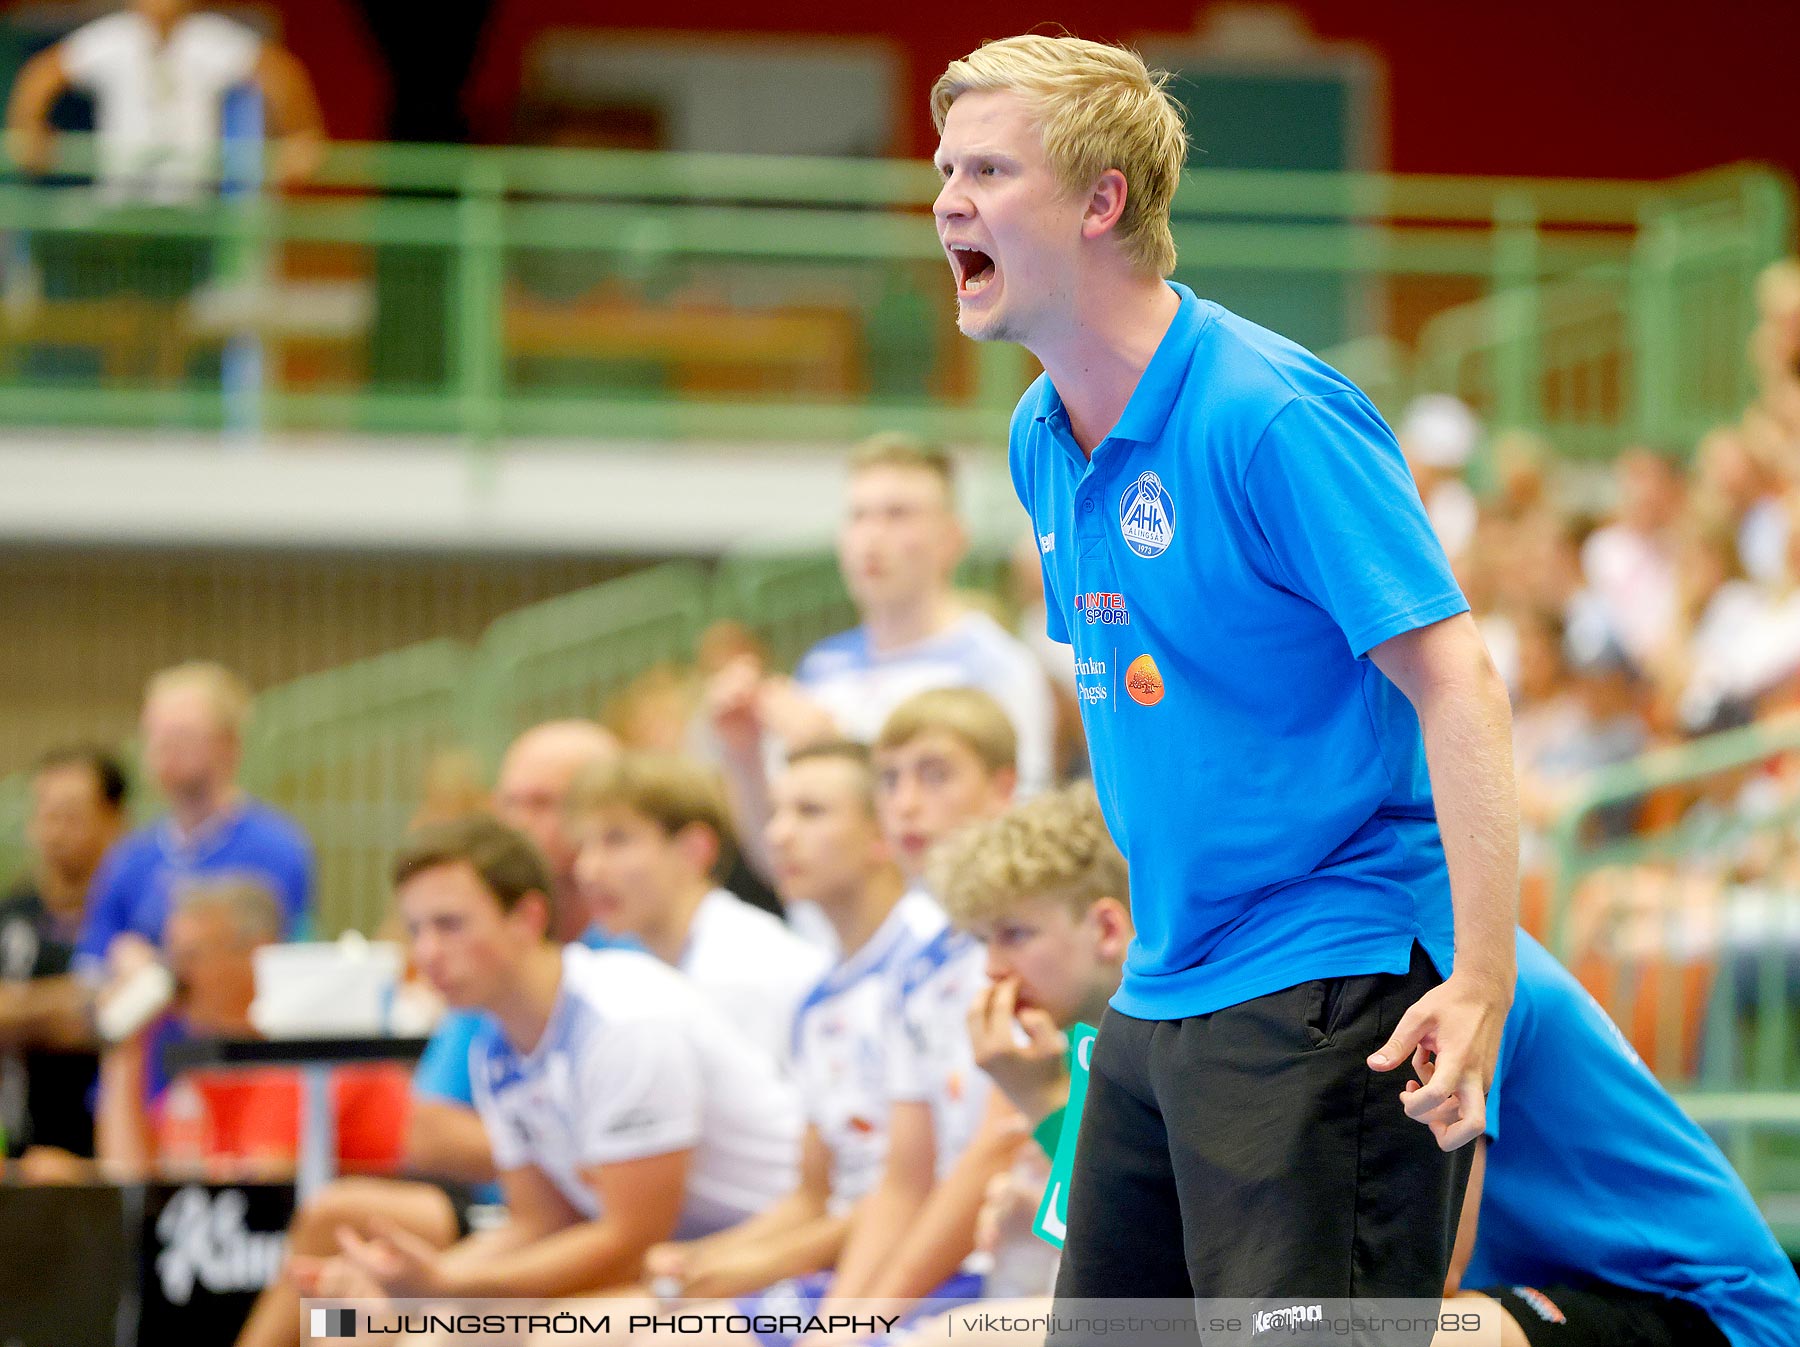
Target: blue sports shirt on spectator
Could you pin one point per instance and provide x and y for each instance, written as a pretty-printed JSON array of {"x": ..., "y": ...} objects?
[
  {"x": 135, "y": 883},
  {"x": 1593, "y": 1171},
  {"x": 1237, "y": 545}
]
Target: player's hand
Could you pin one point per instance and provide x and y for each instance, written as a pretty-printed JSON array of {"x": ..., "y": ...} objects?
[
  {"x": 1455, "y": 1030},
  {"x": 1010, "y": 1205},
  {"x": 1032, "y": 1075},
  {"x": 733, "y": 700},
  {"x": 792, "y": 716},
  {"x": 398, "y": 1261},
  {"x": 331, "y": 1278}
]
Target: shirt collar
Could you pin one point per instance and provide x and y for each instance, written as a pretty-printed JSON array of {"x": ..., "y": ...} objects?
[{"x": 1154, "y": 397}]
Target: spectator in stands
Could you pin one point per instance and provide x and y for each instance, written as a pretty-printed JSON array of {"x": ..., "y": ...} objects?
[
  {"x": 1742, "y": 492},
  {"x": 623, "y": 1109},
  {"x": 945, "y": 759},
  {"x": 1438, "y": 435},
  {"x": 828, "y": 850},
  {"x": 653, "y": 842},
  {"x": 898, "y": 548},
  {"x": 193, "y": 730},
  {"x": 159, "y": 72},
  {"x": 228, "y": 1124},
  {"x": 446, "y": 1143},
  {"x": 1045, "y": 890},
  {"x": 1629, "y": 564},
  {"x": 47, "y": 1064},
  {"x": 532, "y": 795}
]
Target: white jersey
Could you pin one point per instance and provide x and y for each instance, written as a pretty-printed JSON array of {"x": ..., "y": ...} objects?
[
  {"x": 156, "y": 103},
  {"x": 752, "y": 967},
  {"x": 840, "y": 1048},
  {"x": 930, "y": 1058},
  {"x": 860, "y": 688},
  {"x": 635, "y": 1062}
]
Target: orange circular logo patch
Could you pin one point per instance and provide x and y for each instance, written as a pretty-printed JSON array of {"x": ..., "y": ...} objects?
[{"x": 1143, "y": 680}]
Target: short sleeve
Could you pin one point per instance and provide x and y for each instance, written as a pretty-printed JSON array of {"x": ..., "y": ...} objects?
[
  {"x": 903, "y": 1068},
  {"x": 1340, "y": 513},
  {"x": 641, "y": 1093},
  {"x": 510, "y": 1146},
  {"x": 94, "y": 52},
  {"x": 443, "y": 1070}
]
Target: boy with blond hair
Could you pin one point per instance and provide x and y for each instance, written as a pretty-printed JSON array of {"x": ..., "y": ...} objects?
[
  {"x": 652, "y": 838},
  {"x": 944, "y": 759},
  {"x": 1296, "y": 732},
  {"x": 1600, "y": 1215},
  {"x": 899, "y": 544}
]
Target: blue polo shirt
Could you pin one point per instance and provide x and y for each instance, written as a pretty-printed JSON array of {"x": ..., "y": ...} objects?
[
  {"x": 135, "y": 883},
  {"x": 1222, "y": 566},
  {"x": 1594, "y": 1172}
]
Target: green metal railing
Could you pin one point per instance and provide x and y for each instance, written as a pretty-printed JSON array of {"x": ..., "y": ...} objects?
[
  {"x": 491, "y": 292},
  {"x": 1689, "y": 934}
]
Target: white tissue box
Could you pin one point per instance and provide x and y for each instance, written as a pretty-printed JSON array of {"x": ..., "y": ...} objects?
[{"x": 325, "y": 989}]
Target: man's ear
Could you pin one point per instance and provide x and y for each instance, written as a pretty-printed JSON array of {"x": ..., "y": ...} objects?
[
  {"x": 538, "y": 910},
  {"x": 1105, "y": 205},
  {"x": 1111, "y": 921},
  {"x": 699, "y": 846}
]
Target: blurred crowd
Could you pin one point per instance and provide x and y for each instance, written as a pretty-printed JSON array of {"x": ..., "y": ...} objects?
[{"x": 762, "y": 850}]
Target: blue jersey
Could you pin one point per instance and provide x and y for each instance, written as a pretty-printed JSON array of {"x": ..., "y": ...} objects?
[
  {"x": 1594, "y": 1172},
  {"x": 135, "y": 883},
  {"x": 1223, "y": 564}
]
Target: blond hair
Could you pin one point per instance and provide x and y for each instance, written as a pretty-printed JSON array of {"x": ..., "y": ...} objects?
[
  {"x": 969, "y": 715},
  {"x": 669, "y": 790},
  {"x": 892, "y": 449},
  {"x": 1054, "y": 849},
  {"x": 1098, "y": 107},
  {"x": 226, "y": 693}
]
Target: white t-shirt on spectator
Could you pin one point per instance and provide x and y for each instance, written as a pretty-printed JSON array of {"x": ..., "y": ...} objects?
[
  {"x": 840, "y": 1048},
  {"x": 156, "y": 105},
  {"x": 635, "y": 1062},
  {"x": 930, "y": 1058},
  {"x": 752, "y": 967},
  {"x": 860, "y": 688},
  {"x": 1633, "y": 578}
]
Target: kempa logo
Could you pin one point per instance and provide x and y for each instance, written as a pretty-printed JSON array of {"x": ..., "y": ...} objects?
[
  {"x": 1147, "y": 516},
  {"x": 205, "y": 1239},
  {"x": 1290, "y": 1318},
  {"x": 334, "y": 1323}
]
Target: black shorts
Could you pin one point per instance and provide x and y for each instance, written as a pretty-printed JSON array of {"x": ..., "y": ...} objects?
[
  {"x": 1600, "y": 1315},
  {"x": 1251, "y": 1153}
]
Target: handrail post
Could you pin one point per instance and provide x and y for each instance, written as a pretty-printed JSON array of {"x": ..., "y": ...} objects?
[
  {"x": 477, "y": 339},
  {"x": 1518, "y": 353}
]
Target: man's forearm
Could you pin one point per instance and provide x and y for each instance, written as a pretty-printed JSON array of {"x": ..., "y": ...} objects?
[
  {"x": 590, "y": 1256},
  {"x": 877, "y": 1227},
  {"x": 1468, "y": 751},
  {"x": 943, "y": 1233},
  {"x": 747, "y": 796}
]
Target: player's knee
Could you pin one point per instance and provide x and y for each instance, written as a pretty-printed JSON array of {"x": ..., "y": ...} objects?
[{"x": 347, "y": 1201}]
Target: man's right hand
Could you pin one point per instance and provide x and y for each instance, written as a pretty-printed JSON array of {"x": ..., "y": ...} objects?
[
  {"x": 1031, "y": 1074},
  {"x": 733, "y": 701}
]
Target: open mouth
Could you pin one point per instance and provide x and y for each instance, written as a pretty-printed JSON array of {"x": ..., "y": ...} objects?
[{"x": 974, "y": 268}]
